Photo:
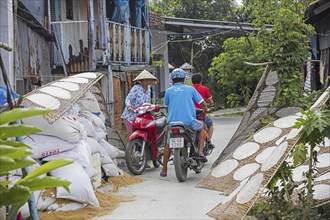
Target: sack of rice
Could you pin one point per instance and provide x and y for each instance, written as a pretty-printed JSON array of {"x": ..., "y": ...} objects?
[
  {"x": 109, "y": 166},
  {"x": 89, "y": 127},
  {"x": 79, "y": 153},
  {"x": 81, "y": 189},
  {"x": 96, "y": 120},
  {"x": 46, "y": 145},
  {"x": 74, "y": 110},
  {"x": 93, "y": 144},
  {"x": 66, "y": 127},
  {"x": 43, "y": 199},
  {"x": 111, "y": 150},
  {"x": 89, "y": 102}
]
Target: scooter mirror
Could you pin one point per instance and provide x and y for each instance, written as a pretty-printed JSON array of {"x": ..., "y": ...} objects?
[{"x": 161, "y": 94}]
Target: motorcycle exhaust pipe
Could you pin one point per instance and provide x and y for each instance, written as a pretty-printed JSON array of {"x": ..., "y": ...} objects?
[{"x": 191, "y": 162}]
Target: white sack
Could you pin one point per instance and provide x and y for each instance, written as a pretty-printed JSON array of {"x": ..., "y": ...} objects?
[
  {"x": 96, "y": 120},
  {"x": 91, "y": 172},
  {"x": 109, "y": 167},
  {"x": 100, "y": 134},
  {"x": 74, "y": 110},
  {"x": 46, "y": 145},
  {"x": 81, "y": 189},
  {"x": 66, "y": 127},
  {"x": 89, "y": 127},
  {"x": 80, "y": 153},
  {"x": 42, "y": 203},
  {"x": 93, "y": 144},
  {"x": 102, "y": 117},
  {"x": 89, "y": 102},
  {"x": 96, "y": 164},
  {"x": 66, "y": 206},
  {"x": 111, "y": 150}
]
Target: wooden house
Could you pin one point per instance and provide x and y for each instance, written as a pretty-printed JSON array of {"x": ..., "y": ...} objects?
[{"x": 57, "y": 38}]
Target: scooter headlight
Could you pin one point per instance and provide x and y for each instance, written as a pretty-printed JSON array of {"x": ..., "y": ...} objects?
[{"x": 141, "y": 110}]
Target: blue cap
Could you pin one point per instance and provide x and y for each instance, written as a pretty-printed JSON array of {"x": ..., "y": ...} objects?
[{"x": 178, "y": 74}]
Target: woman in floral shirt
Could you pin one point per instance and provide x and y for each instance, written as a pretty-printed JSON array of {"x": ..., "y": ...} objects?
[{"x": 139, "y": 94}]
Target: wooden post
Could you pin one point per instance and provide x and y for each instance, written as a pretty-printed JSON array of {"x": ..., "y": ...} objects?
[{"x": 91, "y": 40}]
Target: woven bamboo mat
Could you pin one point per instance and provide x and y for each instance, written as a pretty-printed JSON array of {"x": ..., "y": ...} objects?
[
  {"x": 65, "y": 104},
  {"x": 245, "y": 193}
]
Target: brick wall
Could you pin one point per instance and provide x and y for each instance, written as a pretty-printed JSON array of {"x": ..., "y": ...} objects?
[
  {"x": 120, "y": 89},
  {"x": 118, "y": 105},
  {"x": 156, "y": 21}
]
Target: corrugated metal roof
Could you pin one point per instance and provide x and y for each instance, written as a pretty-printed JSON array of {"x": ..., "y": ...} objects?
[{"x": 198, "y": 25}]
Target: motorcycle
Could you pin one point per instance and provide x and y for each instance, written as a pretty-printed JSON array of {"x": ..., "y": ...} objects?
[
  {"x": 147, "y": 142},
  {"x": 185, "y": 147},
  {"x": 208, "y": 147}
]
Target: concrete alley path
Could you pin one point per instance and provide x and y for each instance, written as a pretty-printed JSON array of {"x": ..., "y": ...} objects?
[{"x": 165, "y": 198}]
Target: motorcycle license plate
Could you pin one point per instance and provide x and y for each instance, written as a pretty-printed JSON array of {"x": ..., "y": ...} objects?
[{"x": 176, "y": 142}]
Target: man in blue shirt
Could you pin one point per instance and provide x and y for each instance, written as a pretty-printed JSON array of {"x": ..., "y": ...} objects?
[{"x": 180, "y": 102}]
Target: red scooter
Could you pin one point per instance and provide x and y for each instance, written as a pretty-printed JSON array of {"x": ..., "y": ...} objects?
[{"x": 147, "y": 142}]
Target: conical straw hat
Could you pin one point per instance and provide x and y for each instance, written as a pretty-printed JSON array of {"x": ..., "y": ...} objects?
[{"x": 145, "y": 75}]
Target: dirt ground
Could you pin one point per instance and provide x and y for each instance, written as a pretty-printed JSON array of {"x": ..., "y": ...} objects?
[{"x": 108, "y": 201}]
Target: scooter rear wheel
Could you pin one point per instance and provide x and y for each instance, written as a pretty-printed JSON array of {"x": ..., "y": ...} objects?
[
  {"x": 180, "y": 163},
  {"x": 135, "y": 161}
]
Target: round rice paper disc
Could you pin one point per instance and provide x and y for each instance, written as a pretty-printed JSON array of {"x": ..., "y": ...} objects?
[
  {"x": 224, "y": 168},
  {"x": 321, "y": 191},
  {"x": 234, "y": 193},
  {"x": 293, "y": 133},
  {"x": 280, "y": 140},
  {"x": 324, "y": 160},
  {"x": 246, "y": 150},
  {"x": 267, "y": 134},
  {"x": 89, "y": 75},
  {"x": 245, "y": 171},
  {"x": 67, "y": 85},
  {"x": 44, "y": 100},
  {"x": 326, "y": 142},
  {"x": 250, "y": 189},
  {"x": 56, "y": 92},
  {"x": 285, "y": 122},
  {"x": 75, "y": 80},
  {"x": 264, "y": 154},
  {"x": 298, "y": 173},
  {"x": 325, "y": 176},
  {"x": 276, "y": 156}
]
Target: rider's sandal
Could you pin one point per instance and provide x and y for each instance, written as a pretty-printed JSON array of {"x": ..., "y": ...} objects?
[
  {"x": 163, "y": 174},
  {"x": 203, "y": 158}
]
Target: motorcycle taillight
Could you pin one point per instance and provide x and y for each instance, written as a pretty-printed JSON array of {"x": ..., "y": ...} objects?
[{"x": 175, "y": 131}]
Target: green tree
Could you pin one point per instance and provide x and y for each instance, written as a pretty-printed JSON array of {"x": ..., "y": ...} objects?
[
  {"x": 14, "y": 156},
  {"x": 285, "y": 44},
  {"x": 234, "y": 77},
  {"x": 200, "y": 9}
]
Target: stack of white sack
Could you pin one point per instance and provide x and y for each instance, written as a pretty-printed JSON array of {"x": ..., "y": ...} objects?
[
  {"x": 66, "y": 127},
  {"x": 58, "y": 199},
  {"x": 99, "y": 145},
  {"x": 79, "y": 135}
]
